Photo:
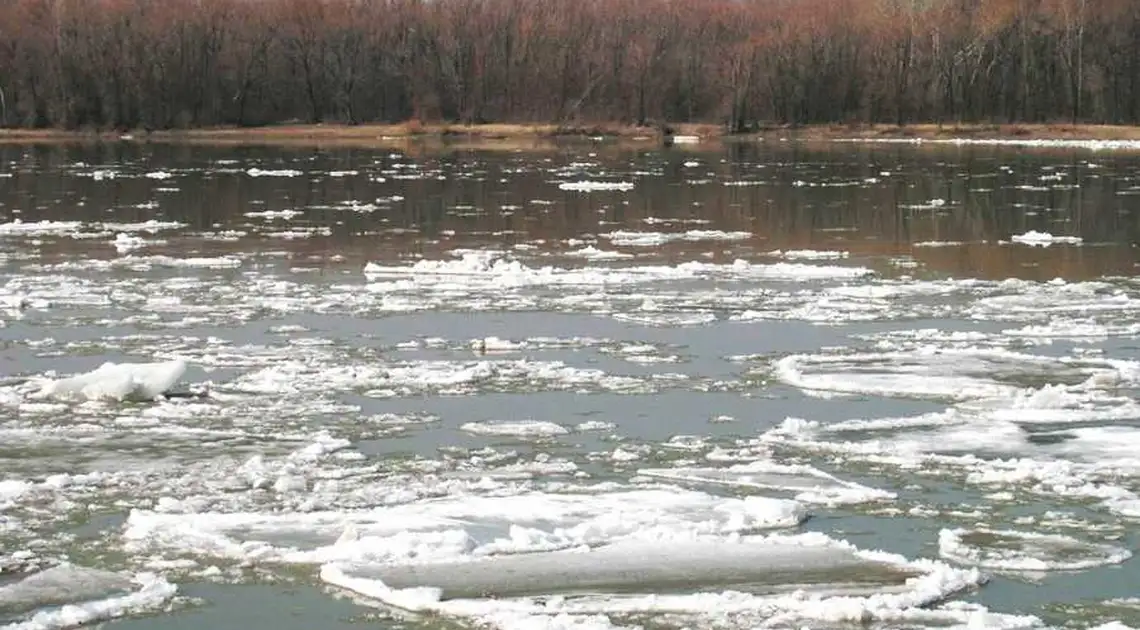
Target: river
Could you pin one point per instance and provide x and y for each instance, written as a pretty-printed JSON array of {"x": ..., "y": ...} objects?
[{"x": 589, "y": 387}]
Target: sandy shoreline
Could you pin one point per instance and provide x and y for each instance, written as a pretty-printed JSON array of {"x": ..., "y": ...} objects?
[{"x": 533, "y": 136}]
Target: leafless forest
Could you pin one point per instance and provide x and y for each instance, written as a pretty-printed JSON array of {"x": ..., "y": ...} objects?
[{"x": 191, "y": 63}]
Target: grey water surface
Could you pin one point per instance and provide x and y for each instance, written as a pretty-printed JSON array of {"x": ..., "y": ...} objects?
[{"x": 288, "y": 339}]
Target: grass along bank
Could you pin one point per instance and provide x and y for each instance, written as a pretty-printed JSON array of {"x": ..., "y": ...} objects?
[{"x": 529, "y": 136}]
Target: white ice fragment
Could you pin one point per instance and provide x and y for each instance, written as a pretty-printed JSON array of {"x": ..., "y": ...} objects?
[
  {"x": 809, "y": 254},
  {"x": 519, "y": 428},
  {"x": 497, "y": 345},
  {"x": 126, "y": 243},
  {"x": 1044, "y": 239},
  {"x": 593, "y": 253},
  {"x": 257, "y": 172},
  {"x": 1025, "y": 551},
  {"x": 67, "y": 596},
  {"x": 151, "y": 226},
  {"x": 651, "y": 239},
  {"x": 117, "y": 381},
  {"x": 461, "y": 527},
  {"x": 11, "y": 490},
  {"x": 592, "y": 186},
  {"x": 18, "y": 227},
  {"x": 808, "y": 484}
]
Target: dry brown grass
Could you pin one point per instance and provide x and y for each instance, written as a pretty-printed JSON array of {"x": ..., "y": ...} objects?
[
  {"x": 955, "y": 130},
  {"x": 514, "y": 137}
]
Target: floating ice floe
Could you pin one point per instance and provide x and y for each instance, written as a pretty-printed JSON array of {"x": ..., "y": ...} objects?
[
  {"x": 462, "y": 527},
  {"x": 936, "y": 373},
  {"x": 146, "y": 263},
  {"x": 18, "y": 227},
  {"x": 117, "y": 381},
  {"x": 1025, "y": 551},
  {"x": 809, "y": 254},
  {"x": 1084, "y": 329},
  {"x": 939, "y": 244},
  {"x": 497, "y": 345},
  {"x": 517, "y": 428},
  {"x": 1044, "y": 239},
  {"x": 274, "y": 214},
  {"x": 125, "y": 243},
  {"x": 650, "y": 239},
  {"x": 592, "y": 186},
  {"x": 664, "y": 319},
  {"x": 930, "y": 204},
  {"x": 151, "y": 226},
  {"x": 807, "y": 484},
  {"x": 285, "y": 172},
  {"x": 759, "y": 580},
  {"x": 592, "y": 253},
  {"x": 69, "y": 595},
  {"x": 483, "y": 270}
]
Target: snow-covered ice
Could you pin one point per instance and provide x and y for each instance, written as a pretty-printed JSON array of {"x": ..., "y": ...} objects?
[{"x": 122, "y": 381}]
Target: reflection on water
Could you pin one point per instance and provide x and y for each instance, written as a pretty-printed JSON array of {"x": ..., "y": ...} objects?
[{"x": 946, "y": 211}]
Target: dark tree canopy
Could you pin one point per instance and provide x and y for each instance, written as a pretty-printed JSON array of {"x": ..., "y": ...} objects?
[{"x": 187, "y": 63}]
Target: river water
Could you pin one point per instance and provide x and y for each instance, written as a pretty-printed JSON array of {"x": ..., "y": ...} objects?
[{"x": 773, "y": 385}]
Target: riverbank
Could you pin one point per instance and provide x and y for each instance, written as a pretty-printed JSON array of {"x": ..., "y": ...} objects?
[{"x": 524, "y": 136}]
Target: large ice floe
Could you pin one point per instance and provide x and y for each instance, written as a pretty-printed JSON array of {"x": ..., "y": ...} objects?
[
  {"x": 493, "y": 269},
  {"x": 1025, "y": 551},
  {"x": 605, "y": 553},
  {"x": 117, "y": 381},
  {"x": 67, "y": 595},
  {"x": 493, "y": 280}
]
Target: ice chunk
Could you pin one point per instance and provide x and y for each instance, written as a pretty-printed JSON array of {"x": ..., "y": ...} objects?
[
  {"x": 520, "y": 428},
  {"x": 773, "y": 581},
  {"x": 68, "y": 595},
  {"x": 493, "y": 270},
  {"x": 125, "y": 243},
  {"x": 591, "y": 186},
  {"x": 1025, "y": 551},
  {"x": 593, "y": 253},
  {"x": 810, "y": 485},
  {"x": 809, "y": 254},
  {"x": 18, "y": 227},
  {"x": 11, "y": 490},
  {"x": 757, "y": 567},
  {"x": 462, "y": 527},
  {"x": 652, "y": 239},
  {"x": 285, "y": 172},
  {"x": 928, "y": 371},
  {"x": 118, "y": 381},
  {"x": 1044, "y": 239},
  {"x": 60, "y": 585}
]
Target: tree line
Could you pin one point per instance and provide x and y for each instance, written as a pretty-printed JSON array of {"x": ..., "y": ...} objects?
[{"x": 191, "y": 63}]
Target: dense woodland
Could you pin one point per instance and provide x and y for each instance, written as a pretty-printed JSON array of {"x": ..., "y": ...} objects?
[{"x": 189, "y": 63}]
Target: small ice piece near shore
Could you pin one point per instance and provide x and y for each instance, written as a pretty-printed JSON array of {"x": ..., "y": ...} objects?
[
  {"x": 591, "y": 186},
  {"x": 1044, "y": 239},
  {"x": 125, "y": 243},
  {"x": 117, "y": 381}
]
